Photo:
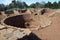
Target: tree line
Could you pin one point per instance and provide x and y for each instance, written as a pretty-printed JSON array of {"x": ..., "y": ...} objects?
[{"x": 20, "y": 5}]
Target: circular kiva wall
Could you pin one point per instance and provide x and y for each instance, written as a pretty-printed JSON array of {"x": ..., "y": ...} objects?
[{"x": 16, "y": 21}]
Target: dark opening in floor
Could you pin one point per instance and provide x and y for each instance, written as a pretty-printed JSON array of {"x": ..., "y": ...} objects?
[
  {"x": 35, "y": 14},
  {"x": 16, "y": 21},
  {"x": 32, "y": 36},
  {"x": 0, "y": 13},
  {"x": 22, "y": 10},
  {"x": 43, "y": 11}
]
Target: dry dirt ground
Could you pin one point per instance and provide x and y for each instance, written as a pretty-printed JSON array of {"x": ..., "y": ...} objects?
[{"x": 50, "y": 32}]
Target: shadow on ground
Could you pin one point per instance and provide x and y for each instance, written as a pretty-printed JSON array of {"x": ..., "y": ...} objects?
[
  {"x": 32, "y": 36},
  {"x": 16, "y": 21}
]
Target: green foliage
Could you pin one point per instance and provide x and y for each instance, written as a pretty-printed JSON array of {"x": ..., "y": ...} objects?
[
  {"x": 55, "y": 5},
  {"x": 2, "y": 7},
  {"x": 32, "y": 5},
  {"x": 48, "y": 5},
  {"x": 36, "y": 5},
  {"x": 59, "y": 4},
  {"x": 21, "y": 5},
  {"x": 25, "y": 5}
]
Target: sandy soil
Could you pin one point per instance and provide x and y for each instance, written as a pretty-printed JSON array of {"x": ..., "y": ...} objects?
[{"x": 53, "y": 31}]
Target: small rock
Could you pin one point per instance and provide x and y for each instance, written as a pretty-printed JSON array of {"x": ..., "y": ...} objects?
[{"x": 1, "y": 26}]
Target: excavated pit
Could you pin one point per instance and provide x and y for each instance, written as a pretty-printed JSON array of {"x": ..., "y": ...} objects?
[{"x": 16, "y": 21}]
